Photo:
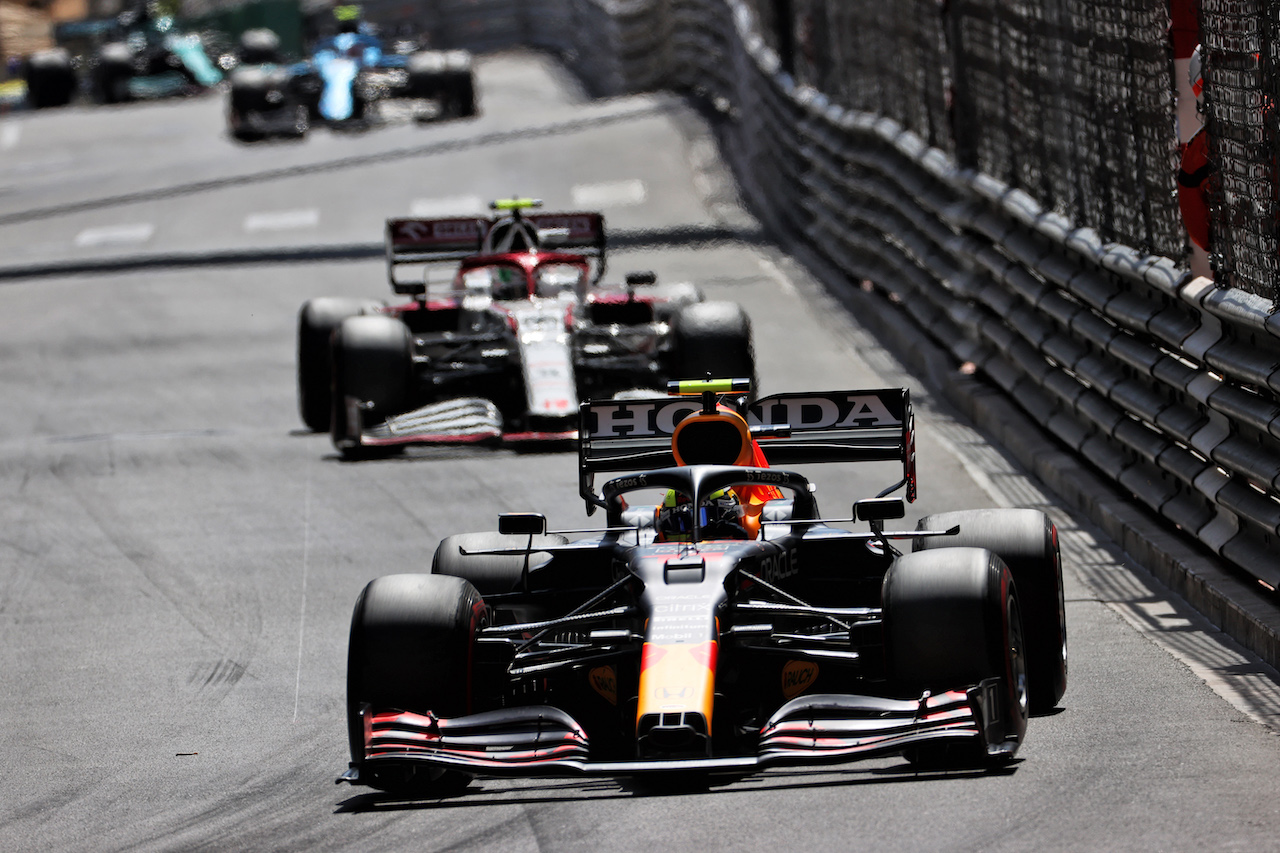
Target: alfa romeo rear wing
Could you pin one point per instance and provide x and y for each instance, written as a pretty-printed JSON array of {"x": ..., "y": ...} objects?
[
  {"x": 862, "y": 425},
  {"x": 430, "y": 241}
]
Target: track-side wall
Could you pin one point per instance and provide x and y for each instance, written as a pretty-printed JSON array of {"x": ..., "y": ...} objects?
[{"x": 1167, "y": 384}]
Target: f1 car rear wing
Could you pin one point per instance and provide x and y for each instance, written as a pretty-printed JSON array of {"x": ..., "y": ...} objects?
[
  {"x": 431, "y": 241},
  {"x": 790, "y": 429},
  {"x": 427, "y": 241}
]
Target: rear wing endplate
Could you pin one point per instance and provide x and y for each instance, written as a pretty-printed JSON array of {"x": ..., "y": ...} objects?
[
  {"x": 428, "y": 241},
  {"x": 824, "y": 426}
]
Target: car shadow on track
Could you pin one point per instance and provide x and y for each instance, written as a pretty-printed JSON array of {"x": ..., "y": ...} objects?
[{"x": 497, "y": 791}]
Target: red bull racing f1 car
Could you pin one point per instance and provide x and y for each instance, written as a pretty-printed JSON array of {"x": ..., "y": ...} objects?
[
  {"x": 716, "y": 621},
  {"x": 522, "y": 330}
]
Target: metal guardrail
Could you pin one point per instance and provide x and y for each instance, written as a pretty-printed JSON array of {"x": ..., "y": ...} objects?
[{"x": 1165, "y": 383}]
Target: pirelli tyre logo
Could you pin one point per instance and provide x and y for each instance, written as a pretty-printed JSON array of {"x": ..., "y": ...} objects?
[{"x": 802, "y": 412}]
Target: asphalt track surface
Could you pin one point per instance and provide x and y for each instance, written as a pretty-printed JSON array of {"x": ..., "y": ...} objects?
[{"x": 178, "y": 559}]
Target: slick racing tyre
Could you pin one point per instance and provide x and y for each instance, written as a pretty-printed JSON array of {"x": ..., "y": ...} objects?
[
  {"x": 112, "y": 72},
  {"x": 372, "y": 369},
  {"x": 426, "y": 74},
  {"x": 951, "y": 620},
  {"x": 249, "y": 88},
  {"x": 264, "y": 91},
  {"x": 259, "y": 46},
  {"x": 713, "y": 339},
  {"x": 461, "y": 84},
  {"x": 490, "y": 573},
  {"x": 410, "y": 649},
  {"x": 445, "y": 77},
  {"x": 51, "y": 78},
  {"x": 1027, "y": 541},
  {"x": 316, "y": 322}
]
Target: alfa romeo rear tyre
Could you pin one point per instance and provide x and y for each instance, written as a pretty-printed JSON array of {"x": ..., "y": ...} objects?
[{"x": 714, "y": 339}]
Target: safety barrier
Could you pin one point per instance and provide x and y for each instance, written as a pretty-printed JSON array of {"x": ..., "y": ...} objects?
[{"x": 1165, "y": 383}]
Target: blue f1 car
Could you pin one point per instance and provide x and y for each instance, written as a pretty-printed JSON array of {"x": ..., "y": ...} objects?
[{"x": 348, "y": 76}]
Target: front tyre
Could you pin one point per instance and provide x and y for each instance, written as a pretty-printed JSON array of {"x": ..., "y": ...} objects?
[
  {"x": 316, "y": 322},
  {"x": 372, "y": 372},
  {"x": 410, "y": 649},
  {"x": 1027, "y": 541},
  {"x": 951, "y": 620}
]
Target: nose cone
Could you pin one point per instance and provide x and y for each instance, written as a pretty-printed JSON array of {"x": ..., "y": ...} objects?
[{"x": 677, "y": 691}]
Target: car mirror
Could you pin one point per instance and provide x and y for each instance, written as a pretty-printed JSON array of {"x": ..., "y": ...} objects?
[
  {"x": 525, "y": 523},
  {"x": 878, "y": 509}
]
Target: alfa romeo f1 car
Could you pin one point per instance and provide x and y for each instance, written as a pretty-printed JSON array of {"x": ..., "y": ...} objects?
[
  {"x": 508, "y": 346},
  {"x": 716, "y": 621}
]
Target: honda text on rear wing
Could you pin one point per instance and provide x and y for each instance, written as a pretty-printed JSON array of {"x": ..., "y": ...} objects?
[{"x": 711, "y": 422}]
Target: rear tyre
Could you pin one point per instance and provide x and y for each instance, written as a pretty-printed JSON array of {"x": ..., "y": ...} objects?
[
  {"x": 1027, "y": 541},
  {"x": 410, "y": 649},
  {"x": 259, "y": 46},
  {"x": 51, "y": 78},
  {"x": 951, "y": 620},
  {"x": 491, "y": 574},
  {"x": 249, "y": 85},
  {"x": 714, "y": 339},
  {"x": 316, "y": 322},
  {"x": 373, "y": 365},
  {"x": 461, "y": 84},
  {"x": 463, "y": 96},
  {"x": 426, "y": 74},
  {"x": 112, "y": 74}
]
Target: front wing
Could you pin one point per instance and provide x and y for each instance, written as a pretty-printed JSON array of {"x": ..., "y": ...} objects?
[
  {"x": 819, "y": 729},
  {"x": 467, "y": 420}
]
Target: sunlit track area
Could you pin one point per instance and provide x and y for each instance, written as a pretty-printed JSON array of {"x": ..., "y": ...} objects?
[{"x": 180, "y": 556}]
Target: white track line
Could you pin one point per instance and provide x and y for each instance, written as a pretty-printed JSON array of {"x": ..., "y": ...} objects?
[
  {"x": 282, "y": 220},
  {"x": 771, "y": 270},
  {"x": 10, "y": 133},
  {"x": 302, "y": 610},
  {"x": 106, "y": 235},
  {"x": 610, "y": 194},
  {"x": 438, "y": 208}
]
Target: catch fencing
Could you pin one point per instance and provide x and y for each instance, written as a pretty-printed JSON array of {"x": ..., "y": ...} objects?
[{"x": 1046, "y": 259}]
